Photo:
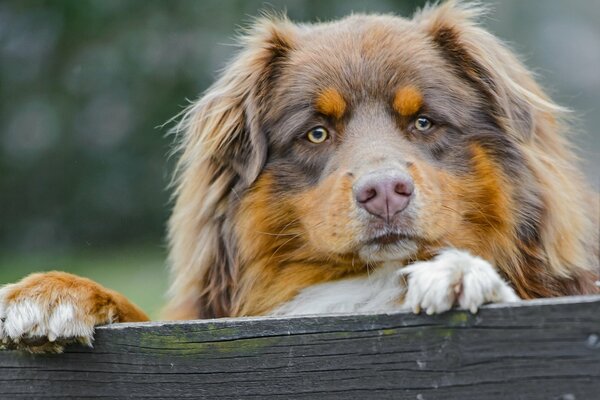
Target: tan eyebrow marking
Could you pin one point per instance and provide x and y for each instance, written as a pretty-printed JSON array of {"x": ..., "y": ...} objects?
[
  {"x": 330, "y": 102},
  {"x": 408, "y": 100}
]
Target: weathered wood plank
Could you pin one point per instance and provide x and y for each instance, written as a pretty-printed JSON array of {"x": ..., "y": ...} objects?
[{"x": 544, "y": 349}]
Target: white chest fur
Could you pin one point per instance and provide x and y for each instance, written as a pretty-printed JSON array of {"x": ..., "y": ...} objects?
[{"x": 454, "y": 277}]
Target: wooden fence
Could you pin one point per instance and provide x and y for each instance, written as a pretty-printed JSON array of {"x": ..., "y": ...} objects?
[{"x": 542, "y": 349}]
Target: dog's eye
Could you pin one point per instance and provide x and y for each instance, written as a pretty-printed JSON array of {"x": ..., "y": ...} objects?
[
  {"x": 317, "y": 135},
  {"x": 423, "y": 124}
]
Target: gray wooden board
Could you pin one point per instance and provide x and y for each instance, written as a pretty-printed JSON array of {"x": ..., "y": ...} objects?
[{"x": 543, "y": 349}]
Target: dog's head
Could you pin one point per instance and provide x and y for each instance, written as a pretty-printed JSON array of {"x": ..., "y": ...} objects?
[{"x": 371, "y": 139}]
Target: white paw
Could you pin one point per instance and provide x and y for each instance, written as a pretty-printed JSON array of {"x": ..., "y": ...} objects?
[
  {"x": 454, "y": 277},
  {"x": 35, "y": 324}
]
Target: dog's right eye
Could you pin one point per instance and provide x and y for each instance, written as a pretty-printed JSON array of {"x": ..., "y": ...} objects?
[
  {"x": 317, "y": 135},
  {"x": 423, "y": 124}
]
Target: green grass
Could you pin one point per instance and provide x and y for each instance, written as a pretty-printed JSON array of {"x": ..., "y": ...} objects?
[{"x": 139, "y": 273}]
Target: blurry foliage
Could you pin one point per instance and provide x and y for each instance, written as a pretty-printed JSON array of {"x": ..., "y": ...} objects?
[{"x": 85, "y": 86}]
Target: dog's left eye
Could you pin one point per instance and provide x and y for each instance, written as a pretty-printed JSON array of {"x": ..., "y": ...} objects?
[
  {"x": 423, "y": 124},
  {"x": 317, "y": 135}
]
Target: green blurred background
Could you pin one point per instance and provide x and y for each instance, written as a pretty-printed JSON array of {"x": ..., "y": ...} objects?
[{"x": 85, "y": 86}]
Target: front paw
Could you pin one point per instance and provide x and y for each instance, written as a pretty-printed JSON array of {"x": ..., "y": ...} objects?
[
  {"x": 453, "y": 277},
  {"x": 45, "y": 311}
]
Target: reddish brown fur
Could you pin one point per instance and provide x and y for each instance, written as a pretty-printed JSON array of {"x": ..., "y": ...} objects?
[
  {"x": 330, "y": 102},
  {"x": 408, "y": 101},
  {"x": 99, "y": 304},
  {"x": 277, "y": 247}
]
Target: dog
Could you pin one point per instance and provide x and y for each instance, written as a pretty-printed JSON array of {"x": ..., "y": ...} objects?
[{"x": 372, "y": 163}]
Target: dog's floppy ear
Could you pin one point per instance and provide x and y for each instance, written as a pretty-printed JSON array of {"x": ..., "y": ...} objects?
[
  {"x": 223, "y": 123},
  {"x": 479, "y": 57},
  {"x": 222, "y": 150}
]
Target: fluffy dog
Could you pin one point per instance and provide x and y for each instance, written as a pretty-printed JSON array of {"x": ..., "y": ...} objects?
[{"x": 372, "y": 163}]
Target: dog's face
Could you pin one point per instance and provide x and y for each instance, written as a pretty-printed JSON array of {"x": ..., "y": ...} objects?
[
  {"x": 377, "y": 146},
  {"x": 327, "y": 149}
]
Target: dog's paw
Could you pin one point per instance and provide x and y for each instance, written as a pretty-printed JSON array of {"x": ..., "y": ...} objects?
[
  {"x": 45, "y": 311},
  {"x": 454, "y": 277}
]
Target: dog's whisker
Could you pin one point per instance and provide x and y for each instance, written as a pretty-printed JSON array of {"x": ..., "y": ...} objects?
[{"x": 277, "y": 234}]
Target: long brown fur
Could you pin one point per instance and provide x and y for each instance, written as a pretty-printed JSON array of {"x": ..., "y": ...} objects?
[{"x": 238, "y": 246}]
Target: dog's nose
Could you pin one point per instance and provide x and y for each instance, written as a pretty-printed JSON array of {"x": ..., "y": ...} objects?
[{"x": 384, "y": 195}]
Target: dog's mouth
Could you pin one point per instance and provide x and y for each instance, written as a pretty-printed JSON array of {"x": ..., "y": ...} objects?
[
  {"x": 389, "y": 238},
  {"x": 389, "y": 246}
]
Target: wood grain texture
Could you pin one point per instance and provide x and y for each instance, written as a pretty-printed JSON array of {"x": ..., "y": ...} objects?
[{"x": 543, "y": 349}]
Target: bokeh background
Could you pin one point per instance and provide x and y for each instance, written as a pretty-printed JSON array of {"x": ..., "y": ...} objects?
[{"x": 86, "y": 86}]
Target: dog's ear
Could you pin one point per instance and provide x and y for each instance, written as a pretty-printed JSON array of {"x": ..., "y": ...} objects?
[
  {"x": 223, "y": 124},
  {"x": 514, "y": 98},
  {"x": 222, "y": 150}
]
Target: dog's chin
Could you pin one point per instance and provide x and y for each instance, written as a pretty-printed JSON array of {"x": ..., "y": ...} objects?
[{"x": 388, "y": 249}]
